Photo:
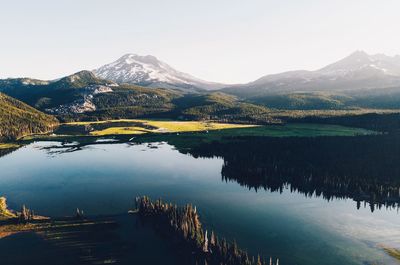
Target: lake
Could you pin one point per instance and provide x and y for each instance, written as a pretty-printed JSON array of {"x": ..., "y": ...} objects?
[{"x": 306, "y": 201}]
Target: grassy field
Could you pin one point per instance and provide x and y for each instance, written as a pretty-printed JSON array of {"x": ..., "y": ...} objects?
[
  {"x": 132, "y": 130},
  {"x": 225, "y": 129},
  {"x": 8, "y": 145},
  {"x": 294, "y": 130},
  {"x": 188, "y": 140},
  {"x": 116, "y": 127},
  {"x": 153, "y": 130},
  {"x": 194, "y": 126}
]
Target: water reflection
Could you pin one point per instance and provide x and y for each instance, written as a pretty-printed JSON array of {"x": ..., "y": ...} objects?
[
  {"x": 103, "y": 178},
  {"x": 365, "y": 169}
]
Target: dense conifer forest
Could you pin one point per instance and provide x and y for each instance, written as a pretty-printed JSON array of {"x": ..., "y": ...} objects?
[{"x": 18, "y": 119}]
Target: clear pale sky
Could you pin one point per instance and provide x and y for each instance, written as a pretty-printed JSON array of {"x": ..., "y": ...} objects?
[{"x": 227, "y": 41}]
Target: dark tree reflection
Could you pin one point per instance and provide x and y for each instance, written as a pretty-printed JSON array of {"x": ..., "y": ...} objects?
[{"x": 366, "y": 169}]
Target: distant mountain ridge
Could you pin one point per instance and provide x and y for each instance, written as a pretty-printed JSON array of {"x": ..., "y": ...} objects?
[
  {"x": 143, "y": 85},
  {"x": 149, "y": 71},
  {"x": 360, "y": 60},
  {"x": 357, "y": 71}
]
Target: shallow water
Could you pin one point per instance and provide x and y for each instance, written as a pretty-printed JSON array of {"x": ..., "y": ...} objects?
[{"x": 104, "y": 179}]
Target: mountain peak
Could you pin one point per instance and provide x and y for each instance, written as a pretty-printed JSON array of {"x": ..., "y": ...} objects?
[
  {"x": 359, "y": 70},
  {"x": 130, "y": 58},
  {"x": 358, "y": 54},
  {"x": 147, "y": 70},
  {"x": 80, "y": 79},
  {"x": 362, "y": 61},
  {"x": 81, "y": 76}
]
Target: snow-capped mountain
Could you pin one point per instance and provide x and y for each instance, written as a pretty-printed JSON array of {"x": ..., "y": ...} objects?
[
  {"x": 357, "y": 71},
  {"x": 149, "y": 71},
  {"x": 360, "y": 61}
]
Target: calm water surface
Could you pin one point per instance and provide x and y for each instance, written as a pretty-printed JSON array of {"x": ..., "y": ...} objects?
[{"x": 105, "y": 178}]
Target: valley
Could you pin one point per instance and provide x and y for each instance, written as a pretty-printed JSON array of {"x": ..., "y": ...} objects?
[
  {"x": 200, "y": 132},
  {"x": 143, "y": 87},
  {"x": 236, "y": 151}
]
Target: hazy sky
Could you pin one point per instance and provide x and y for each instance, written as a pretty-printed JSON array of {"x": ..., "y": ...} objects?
[{"x": 218, "y": 40}]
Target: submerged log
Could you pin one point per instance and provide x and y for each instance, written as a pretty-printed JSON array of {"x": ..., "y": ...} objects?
[
  {"x": 79, "y": 214},
  {"x": 26, "y": 215}
]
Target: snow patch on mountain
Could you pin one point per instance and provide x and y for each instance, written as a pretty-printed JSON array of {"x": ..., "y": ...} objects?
[
  {"x": 149, "y": 71},
  {"x": 84, "y": 104}
]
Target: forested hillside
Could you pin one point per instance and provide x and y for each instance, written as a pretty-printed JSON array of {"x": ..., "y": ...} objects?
[
  {"x": 85, "y": 97},
  {"x": 18, "y": 119},
  {"x": 222, "y": 107},
  {"x": 370, "y": 99}
]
